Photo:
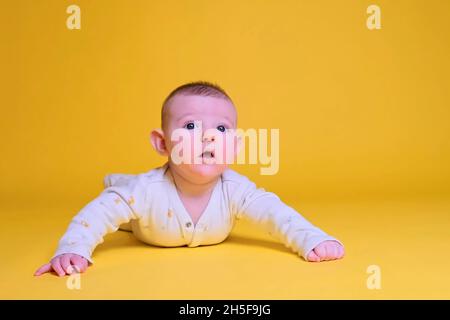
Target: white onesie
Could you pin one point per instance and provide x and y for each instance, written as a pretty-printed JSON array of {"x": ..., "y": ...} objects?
[{"x": 151, "y": 203}]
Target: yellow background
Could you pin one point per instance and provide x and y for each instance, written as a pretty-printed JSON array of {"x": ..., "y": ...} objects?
[{"x": 364, "y": 133}]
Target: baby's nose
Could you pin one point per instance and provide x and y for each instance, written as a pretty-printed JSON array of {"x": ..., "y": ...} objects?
[{"x": 208, "y": 137}]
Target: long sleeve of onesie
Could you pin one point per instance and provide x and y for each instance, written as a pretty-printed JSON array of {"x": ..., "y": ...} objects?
[
  {"x": 266, "y": 210},
  {"x": 114, "y": 206}
]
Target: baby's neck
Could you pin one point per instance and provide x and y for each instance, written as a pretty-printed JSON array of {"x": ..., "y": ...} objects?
[{"x": 190, "y": 189}]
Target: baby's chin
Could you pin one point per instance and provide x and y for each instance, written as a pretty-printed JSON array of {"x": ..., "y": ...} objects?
[{"x": 202, "y": 173}]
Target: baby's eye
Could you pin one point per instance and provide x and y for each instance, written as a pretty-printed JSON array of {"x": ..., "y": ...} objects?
[
  {"x": 221, "y": 128},
  {"x": 189, "y": 125}
]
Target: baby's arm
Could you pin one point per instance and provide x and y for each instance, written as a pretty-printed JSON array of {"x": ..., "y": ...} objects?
[
  {"x": 114, "y": 206},
  {"x": 286, "y": 224}
]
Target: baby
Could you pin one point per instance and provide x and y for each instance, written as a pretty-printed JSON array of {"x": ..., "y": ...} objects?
[{"x": 187, "y": 203}]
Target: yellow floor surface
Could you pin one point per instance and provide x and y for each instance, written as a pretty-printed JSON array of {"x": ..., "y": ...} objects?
[{"x": 408, "y": 240}]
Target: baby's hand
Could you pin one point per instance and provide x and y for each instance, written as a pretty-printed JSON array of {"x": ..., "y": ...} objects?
[
  {"x": 64, "y": 264},
  {"x": 327, "y": 250}
]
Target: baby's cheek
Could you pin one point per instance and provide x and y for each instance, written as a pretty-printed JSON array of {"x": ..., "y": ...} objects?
[
  {"x": 194, "y": 150},
  {"x": 230, "y": 149},
  {"x": 186, "y": 148}
]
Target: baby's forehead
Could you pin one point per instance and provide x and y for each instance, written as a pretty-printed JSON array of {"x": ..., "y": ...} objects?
[{"x": 181, "y": 105}]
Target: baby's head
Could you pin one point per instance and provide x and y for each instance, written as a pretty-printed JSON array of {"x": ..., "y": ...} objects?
[{"x": 195, "y": 108}]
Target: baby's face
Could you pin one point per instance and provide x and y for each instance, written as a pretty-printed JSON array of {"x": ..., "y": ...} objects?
[{"x": 208, "y": 117}]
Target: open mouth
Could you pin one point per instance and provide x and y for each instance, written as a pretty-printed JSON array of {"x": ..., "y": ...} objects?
[{"x": 207, "y": 154}]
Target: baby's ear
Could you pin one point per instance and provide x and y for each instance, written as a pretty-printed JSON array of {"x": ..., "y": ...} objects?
[{"x": 158, "y": 142}]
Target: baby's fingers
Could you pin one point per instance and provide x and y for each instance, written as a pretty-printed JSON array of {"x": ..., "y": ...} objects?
[
  {"x": 313, "y": 257},
  {"x": 56, "y": 265},
  {"x": 321, "y": 251},
  {"x": 333, "y": 250},
  {"x": 45, "y": 268},
  {"x": 79, "y": 262},
  {"x": 65, "y": 263}
]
